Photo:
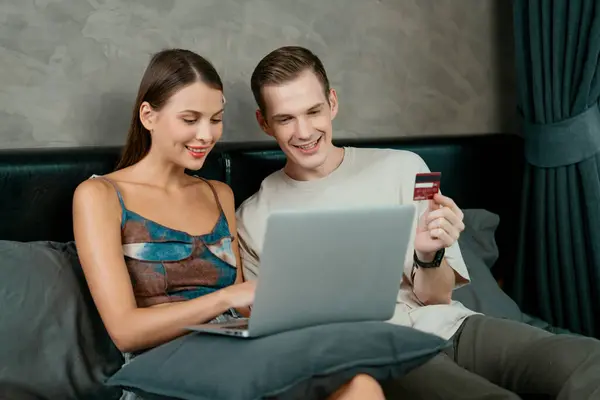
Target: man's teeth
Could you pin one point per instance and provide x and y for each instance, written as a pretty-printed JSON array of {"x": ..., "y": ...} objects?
[{"x": 309, "y": 146}]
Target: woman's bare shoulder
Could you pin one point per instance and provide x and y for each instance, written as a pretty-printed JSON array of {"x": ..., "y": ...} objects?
[
  {"x": 95, "y": 193},
  {"x": 221, "y": 187}
]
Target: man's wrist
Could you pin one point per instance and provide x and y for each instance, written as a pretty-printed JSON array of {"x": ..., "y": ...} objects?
[
  {"x": 434, "y": 261},
  {"x": 425, "y": 257}
]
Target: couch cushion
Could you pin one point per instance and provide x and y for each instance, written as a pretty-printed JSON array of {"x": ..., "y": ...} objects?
[
  {"x": 16, "y": 392},
  {"x": 53, "y": 344},
  {"x": 307, "y": 363},
  {"x": 479, "y": 250}
]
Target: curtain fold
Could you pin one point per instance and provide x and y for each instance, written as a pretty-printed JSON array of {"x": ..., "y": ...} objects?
[{"x": 557, "y": 274}]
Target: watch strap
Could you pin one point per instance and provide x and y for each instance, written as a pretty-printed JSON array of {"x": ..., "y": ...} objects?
[{"x": 436, "y": 262}]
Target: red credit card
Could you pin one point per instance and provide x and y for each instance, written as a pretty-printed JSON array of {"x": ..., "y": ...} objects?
[{"x": 427, "y": 185}]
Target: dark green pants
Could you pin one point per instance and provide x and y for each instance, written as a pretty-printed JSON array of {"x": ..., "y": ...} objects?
[{"x": 496, "y": 358}]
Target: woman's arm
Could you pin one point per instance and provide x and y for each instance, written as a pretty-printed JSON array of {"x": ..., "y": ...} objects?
[
  {"x": 97, "y": 230},
  {"x": 227, "y": 199}
]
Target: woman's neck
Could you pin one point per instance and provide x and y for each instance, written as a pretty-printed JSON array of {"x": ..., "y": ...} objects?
[{"x": 157, "y": 171}]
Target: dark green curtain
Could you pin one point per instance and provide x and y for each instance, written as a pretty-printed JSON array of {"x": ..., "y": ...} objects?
[{"x": 557, "y": 274}]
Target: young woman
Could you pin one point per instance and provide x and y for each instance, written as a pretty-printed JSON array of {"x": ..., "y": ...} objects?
[{"x": 158, "y": 247}]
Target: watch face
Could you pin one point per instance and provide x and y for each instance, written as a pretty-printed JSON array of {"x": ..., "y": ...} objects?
[{"x": 439, "y": 255}]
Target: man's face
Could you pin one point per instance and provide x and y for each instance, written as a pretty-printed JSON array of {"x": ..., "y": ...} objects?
[{"x": 298, "y": 116}]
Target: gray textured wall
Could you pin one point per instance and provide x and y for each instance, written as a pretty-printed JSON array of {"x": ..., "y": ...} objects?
[{"x": 69, "y": 69}]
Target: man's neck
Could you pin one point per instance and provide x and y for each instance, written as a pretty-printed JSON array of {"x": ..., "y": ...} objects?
[{"x": 333, "y": 161}]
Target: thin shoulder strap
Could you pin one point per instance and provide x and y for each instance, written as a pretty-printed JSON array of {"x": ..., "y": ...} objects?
[
  {"x": 214, "y": 191},
  {"x": 114, "y": 185}
]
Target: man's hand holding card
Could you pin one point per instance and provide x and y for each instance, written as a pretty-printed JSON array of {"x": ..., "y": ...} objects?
[{"x": 441, "y": 225}]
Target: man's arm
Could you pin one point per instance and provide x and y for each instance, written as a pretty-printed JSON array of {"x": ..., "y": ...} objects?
[
  {"x": 438, "y": 228},
  {"x": 438, "y": 224},
  {"x": 250, "y": 227},
  {"x": 434, "y": 285},
  {"x": 250, "y": 260}
]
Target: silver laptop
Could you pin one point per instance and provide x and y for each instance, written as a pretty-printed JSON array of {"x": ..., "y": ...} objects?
[{"x": 326, "y": 266}]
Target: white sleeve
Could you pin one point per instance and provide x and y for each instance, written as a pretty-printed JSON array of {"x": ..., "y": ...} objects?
[
  {"x": 453, "y": 255},
  {"x": 250, "y": 260},
  {"x": 249, "y": 243}
]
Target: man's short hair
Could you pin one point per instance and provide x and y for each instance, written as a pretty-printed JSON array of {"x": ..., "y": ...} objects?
[{"x": 283, "y": 65}]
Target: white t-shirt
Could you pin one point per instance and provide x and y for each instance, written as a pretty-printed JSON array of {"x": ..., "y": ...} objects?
[{"x": 365, "y": 177}]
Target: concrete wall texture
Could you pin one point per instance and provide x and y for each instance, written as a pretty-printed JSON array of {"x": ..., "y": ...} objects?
[{"x": 69, "y": 69}]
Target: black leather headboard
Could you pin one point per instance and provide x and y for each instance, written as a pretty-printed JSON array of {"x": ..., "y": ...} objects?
[{"x": 36, "y": 185}]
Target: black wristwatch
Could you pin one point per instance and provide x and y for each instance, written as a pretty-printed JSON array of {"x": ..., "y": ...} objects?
[{"x": 436, "y": 262}]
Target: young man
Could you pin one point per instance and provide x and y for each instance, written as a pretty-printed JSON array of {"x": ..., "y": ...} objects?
[{"x": 491, "y": 358}]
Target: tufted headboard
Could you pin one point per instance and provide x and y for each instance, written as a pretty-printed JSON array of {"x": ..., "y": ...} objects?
[{"x": 36, "y": 185}]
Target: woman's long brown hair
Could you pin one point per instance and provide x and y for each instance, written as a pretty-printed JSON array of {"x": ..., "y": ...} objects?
[{"x": 168, "y": 72}]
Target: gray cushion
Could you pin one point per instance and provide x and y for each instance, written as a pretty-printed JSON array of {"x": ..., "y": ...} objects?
[
  {"x": 480, "y": 234},
  {"x": 478, "y": 246},
  {"x": 14, "y": 392},
  {"x": 307, "y": 363},
  {"x": 52, "y": 342},
  {"x": 479, "y": 250}
]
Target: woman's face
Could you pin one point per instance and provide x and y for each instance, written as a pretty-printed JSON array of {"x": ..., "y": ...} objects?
[{"x": 186, "y": 129}]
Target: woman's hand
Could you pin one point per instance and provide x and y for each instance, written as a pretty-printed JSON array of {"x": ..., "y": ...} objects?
[{"x": 240, "y": 295}]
